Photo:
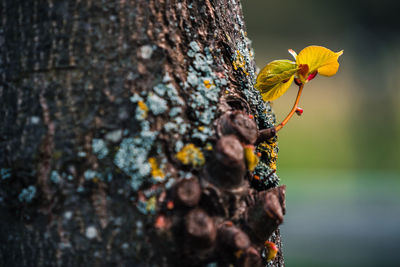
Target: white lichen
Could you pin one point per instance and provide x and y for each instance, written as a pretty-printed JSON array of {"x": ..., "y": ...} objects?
[
  {"x": 114, "y": 136},
  {"x": 5, "y": 173},
  {"x": 156, "y": 104},
  {"x": 194, "y": 46},
  {"x": 35, "y": 120},
  {"x": 27, "y": 194},
  {"x": 178, "y": 145},
  {"x": 55, "y": 177},
  {"x": 68, "y": 215},
  {"x": 99, "y": 148},
  {"x": 132, "y": 156},
  {"x": 90, "y": 174},
  {"x": 91, "y": 232},
  {"x": 175, "y": 111},
  {"x": 81, "y": 154},
  {"x": 135, "y": 98},
  {"x": 146, "y": 51}
]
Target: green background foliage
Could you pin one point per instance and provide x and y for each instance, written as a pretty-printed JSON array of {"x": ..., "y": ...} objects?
[{"x": 341, "y": 158}]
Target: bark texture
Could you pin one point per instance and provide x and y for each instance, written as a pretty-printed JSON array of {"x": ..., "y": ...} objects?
[{"x": 127, "y": 130}]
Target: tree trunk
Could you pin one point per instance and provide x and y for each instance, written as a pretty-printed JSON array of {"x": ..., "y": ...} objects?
[{"x": 126, "y": 136}]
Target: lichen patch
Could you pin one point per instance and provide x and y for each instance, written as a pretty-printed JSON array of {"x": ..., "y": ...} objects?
[{"x": 191, "y": 155}]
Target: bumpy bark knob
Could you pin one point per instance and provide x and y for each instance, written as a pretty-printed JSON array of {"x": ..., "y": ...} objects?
[
  {"x": 240, "y": 124},
  {"x": 188, "y": 192},
  {"x": 232, "y": 238},
  {"x": 251, "y": 258},
  {"x": 266, "y": 214},
  {"x": 227, "y": 169},
  {"x": 200, "y": 229}
]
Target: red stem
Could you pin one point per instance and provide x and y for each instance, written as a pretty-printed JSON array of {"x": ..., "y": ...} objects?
[{"x": 292, "y": 111}]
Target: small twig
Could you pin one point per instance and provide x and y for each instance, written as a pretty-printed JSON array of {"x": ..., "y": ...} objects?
[{"x": 265, "y": 135}]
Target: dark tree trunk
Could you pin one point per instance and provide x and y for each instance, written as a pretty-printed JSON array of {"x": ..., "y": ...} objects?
[{"x": 125, "y": 131}]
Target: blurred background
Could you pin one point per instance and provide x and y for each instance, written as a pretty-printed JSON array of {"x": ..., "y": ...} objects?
[{"x": 341, "y": 159}]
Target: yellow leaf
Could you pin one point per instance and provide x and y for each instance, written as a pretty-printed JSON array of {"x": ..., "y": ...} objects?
[
  {"x": 275, "y": 78},
  {"x": 275, "y": 72},
  {"x": 319, "y": 59},
  {"x": 277, "y": 90}
]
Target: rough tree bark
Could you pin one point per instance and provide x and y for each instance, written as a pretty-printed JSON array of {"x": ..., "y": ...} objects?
[{"x": 125, "y": 131}]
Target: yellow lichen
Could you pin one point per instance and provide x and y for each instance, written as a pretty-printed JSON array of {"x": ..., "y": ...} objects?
[
  {"x": 271, "y": 249},
  {"x": 272, "y": 165},
  {"x": 228, "y": 37},
  {"x": 251, "y": 159},
  {"x": 208, "y": 84},
  {"x": 151, "y": 203},
  {"x": 239, "y": 253},
  {"x": 240, "y": 62},
  {"x": 208, "y": 147},
  {"x": 143, "y": 107},
  {"x": 269, "y": 150},
  {"x": 156, "y": 172},
  {"x": 191, "y": 155}
]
